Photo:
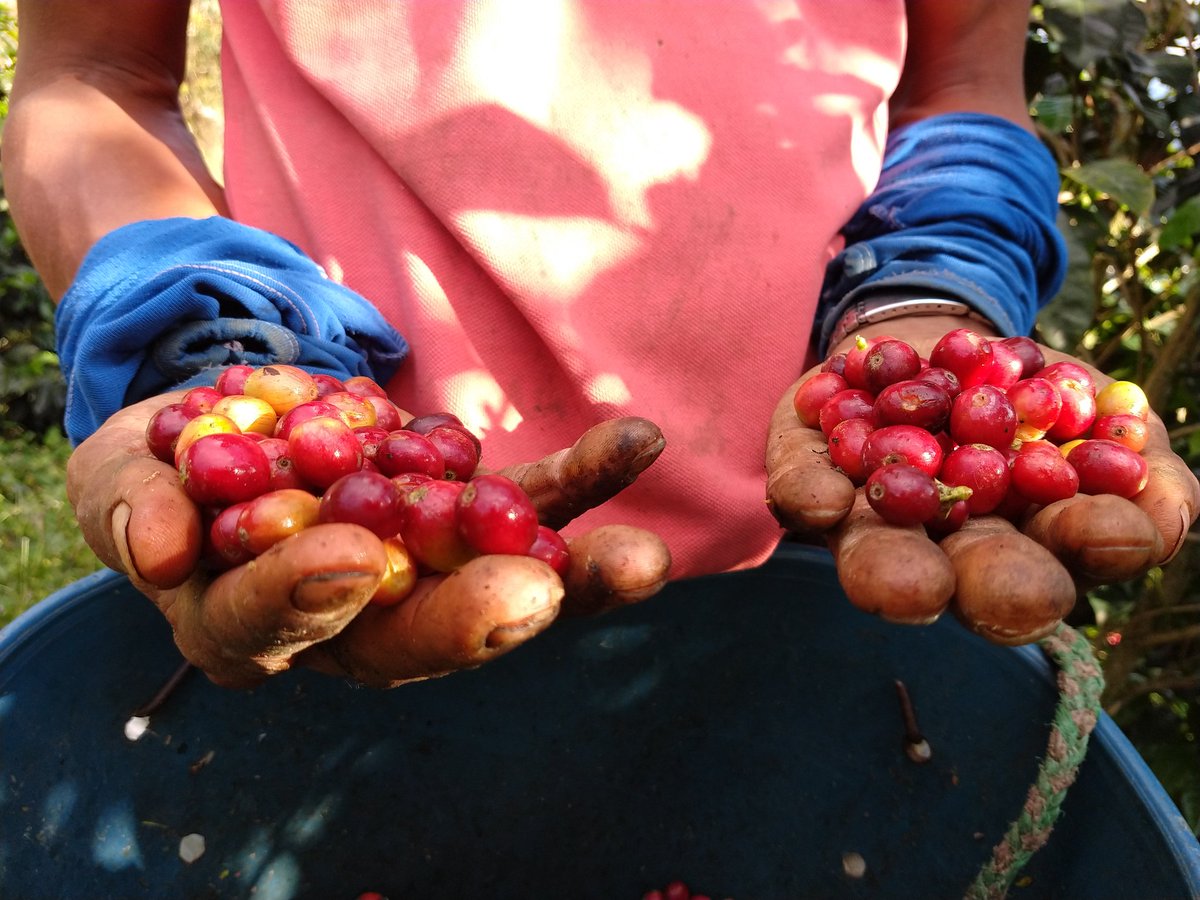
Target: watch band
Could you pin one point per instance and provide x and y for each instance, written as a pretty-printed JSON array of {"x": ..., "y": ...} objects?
[{"x": 867, "y": 311}]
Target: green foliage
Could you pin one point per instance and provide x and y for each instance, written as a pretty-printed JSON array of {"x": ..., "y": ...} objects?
[
  {"x": 32, "y": 391},
  {"x": 31, "y": 387},
  {"x": 1114, "y": 89},
  {"x": 42, "y": 547}
]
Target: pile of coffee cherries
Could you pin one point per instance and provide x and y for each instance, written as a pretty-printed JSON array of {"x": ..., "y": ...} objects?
[
  {"x": 270, "y": 451},
  {"x": 983, "y": 426}
]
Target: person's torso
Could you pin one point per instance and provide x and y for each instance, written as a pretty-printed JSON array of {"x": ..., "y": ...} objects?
[{"x": 575, "y": 210}]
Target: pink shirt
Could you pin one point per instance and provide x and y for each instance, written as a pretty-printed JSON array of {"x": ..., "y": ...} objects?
[{"x": 575, "y": 210}]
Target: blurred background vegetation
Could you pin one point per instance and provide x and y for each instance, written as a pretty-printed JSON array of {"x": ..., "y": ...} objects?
[{"x": 1113, "y": 85}]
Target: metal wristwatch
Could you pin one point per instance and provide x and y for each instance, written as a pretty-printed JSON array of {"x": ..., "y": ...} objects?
[{"x": 868, "y": 311}]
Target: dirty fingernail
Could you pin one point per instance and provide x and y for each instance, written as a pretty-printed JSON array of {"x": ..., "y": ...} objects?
[
  {"x": 330, "y": 590},
  {"x": 121, "y": 516},
  {"x": 504, "y": 636},
  {"x": 1185, "y": 522}
]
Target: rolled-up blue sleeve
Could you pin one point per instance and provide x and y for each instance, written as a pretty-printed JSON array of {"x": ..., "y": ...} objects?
[
  {"x": 158, "y": 304},
  {"x": 966, "y": 208}
]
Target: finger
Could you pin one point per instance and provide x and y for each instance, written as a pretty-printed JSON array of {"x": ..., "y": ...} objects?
[
  {"x": 1171, "y": 497},
  {"x": 606, "y": 459},
  {"x": 805, "y": 491},
  {"x": 459, "y": 621},
  {"x": 892, "y": 571},
  {"x": 251, "y": 621},
  {"x": 1099, "y": 538},
  {"x": 614, "y": 565},
  {"x": 131, "y": 508},
  {"x": 1010, "y": 589}
]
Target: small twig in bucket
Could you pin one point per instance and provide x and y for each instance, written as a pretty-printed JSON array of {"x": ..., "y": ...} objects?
[
  {"x": 163, "y": 693},
  {"x": 915, "y": 745}
]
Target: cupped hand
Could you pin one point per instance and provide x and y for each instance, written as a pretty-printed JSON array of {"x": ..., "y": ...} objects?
[
  {"x": 1010, "y": 583},
  {"x": 306, "y": 600}
]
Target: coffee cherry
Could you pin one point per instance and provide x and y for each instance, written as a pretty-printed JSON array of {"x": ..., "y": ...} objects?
[
  {"x": 813, "y": 394},
  {"x": 1032, "y": 358},
  {"x": 200, "y": 426},
  {"x": 551, "y": 548},
  {"x": 399, "y": 577},
  {"x": 406, "y": 451},
  {"x": 233, "y": 380},
  {"x": 1069, "y": 371},
  {"x": 283, "y": 472},
  {"x": 851, "y": 403},
  {"x": 949, "y": 519},
  {"x": 1043, "y": 477},
  {"x": 387, "y": 414},
  {"x": 902, "y": 444},
  {"x": 268, "y": 519},
  {"x": 164, "y": 428},
  {"x": 1037, "y": 405},
  {"x": 943, "y": 378},
  {"x": 1078, "y": 410},
  {"x": 430, "y": 530},
  {"x": 249, "y": 413},
  {"x": 983, "y": 469},
  {"x": 966, "y": 354},
  {"x": 425, "y": 423},
  {"x": 459, "y": 450},
  {"x": 903, "y": 494},
  {"x": 327, "y": 384},
  {"x": 855, "y": 369},
  {"x": 1106, "y": 467},
  {"x": 323, "y": 450},
  {"x": 223, "y": 469},
  {"x": 313, "y": 409},
  {"x": 353, "y": 409},
  {"x": 369, "y": 499},
  {"x": 201, "y": 399},
  {"x": 496, "y": 516},
  {"x": 370, "y": 437},
  {"x": 284, "y": 387},
  {"x": 1007, "y": 366},
  {"x": 1126, "y": 429},
  {"x": 1123, "y": 398},
  {"x": 363, "y": 386},
  {"x": 835, "y": 364},
  {"x": 982, "y": 415},
  {"x": 224, "y": 547},
  {"x": 914, "y": 402},
  {"x": 846, "y": 448},
  {"x": 406, "y": 481},
  {"x": 888, "y": 362}
]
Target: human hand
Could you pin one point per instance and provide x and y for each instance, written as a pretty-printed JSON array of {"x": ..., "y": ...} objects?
[
  {"x": 1010, "y": 583},
  {"x": 305, "y": 601}
]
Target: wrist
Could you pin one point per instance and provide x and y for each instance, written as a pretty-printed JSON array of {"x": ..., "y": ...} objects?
[
  {"x": 921, "y": 331},
  {"x": 881, "y": 309}
]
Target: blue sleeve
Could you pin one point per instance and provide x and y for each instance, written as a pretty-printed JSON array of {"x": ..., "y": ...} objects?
[
  {"x": 164, "y": 303},
  {"x": 966, "y": 208}
]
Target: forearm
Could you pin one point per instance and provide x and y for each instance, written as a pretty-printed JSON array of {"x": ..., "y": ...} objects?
[
  {"x": 91, "y": 145},
  {"x": 964, "y": 56}
]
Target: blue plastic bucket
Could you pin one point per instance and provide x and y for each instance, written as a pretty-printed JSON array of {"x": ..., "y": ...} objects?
[{"x": 738, "y": 732}]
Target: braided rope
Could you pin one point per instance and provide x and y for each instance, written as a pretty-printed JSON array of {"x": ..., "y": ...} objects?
[{"x": 1080, "y": 683}]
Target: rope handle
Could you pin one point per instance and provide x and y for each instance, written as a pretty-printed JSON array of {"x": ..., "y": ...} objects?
[{"x": 1080, "y": 684}]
